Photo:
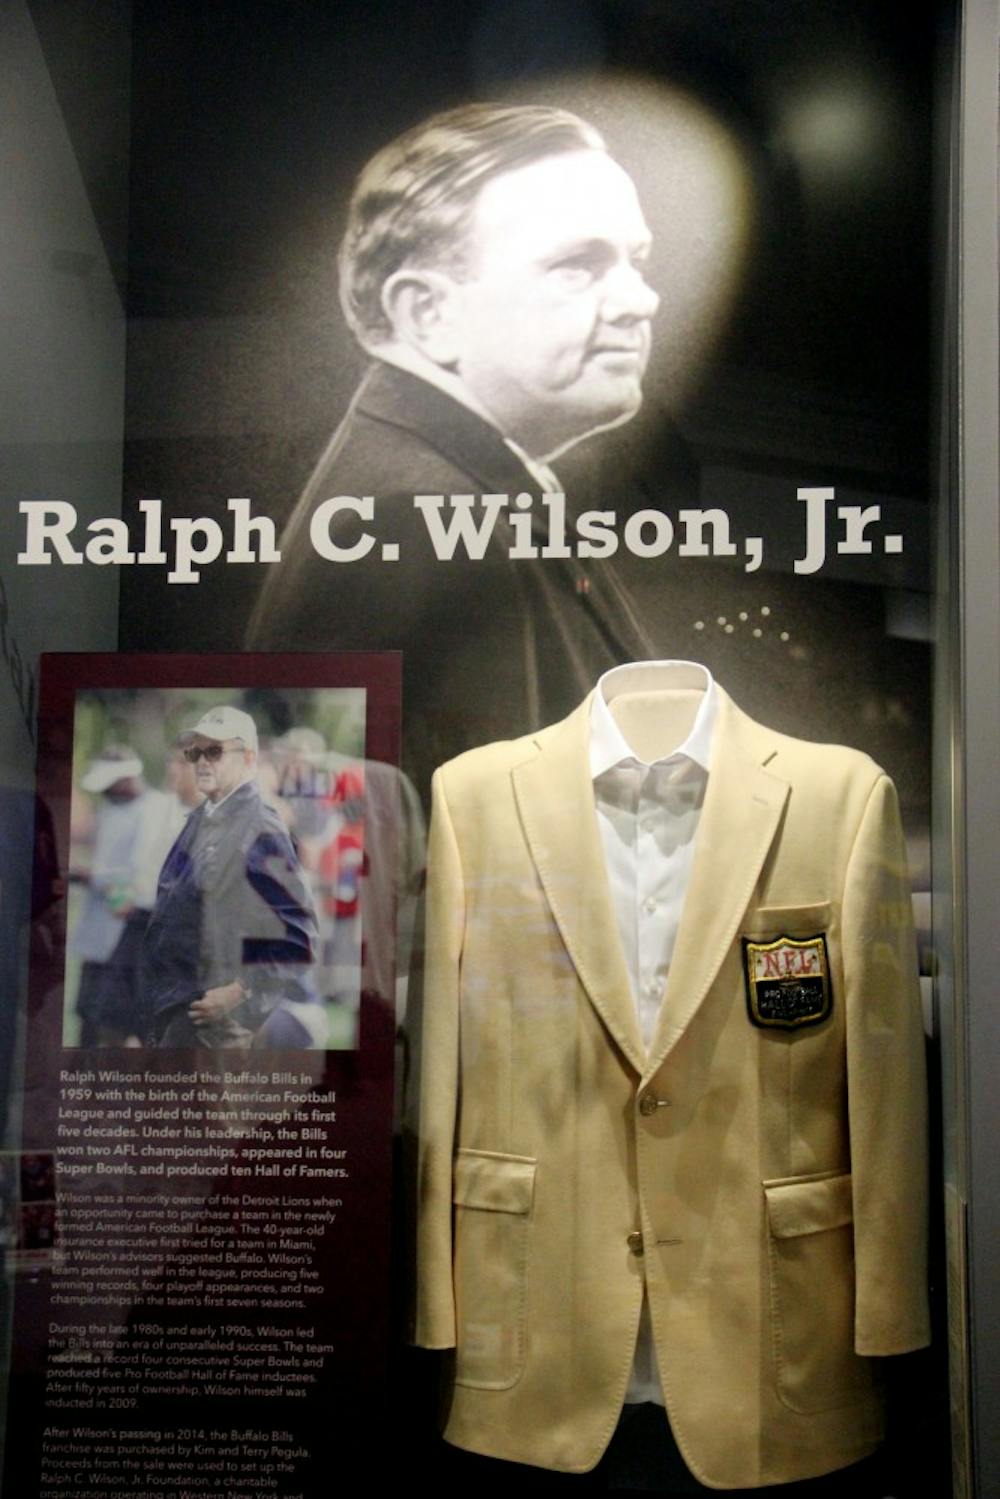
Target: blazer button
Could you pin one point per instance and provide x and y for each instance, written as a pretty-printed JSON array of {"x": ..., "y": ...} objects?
[
  {"x": 634, "y": 1241},
  {"x": 649, "y": 1103}
]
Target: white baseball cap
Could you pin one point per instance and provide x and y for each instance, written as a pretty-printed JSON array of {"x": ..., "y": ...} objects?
[
  {"x": 116, "y": 762},
  {"x": 223, "y": 723}
]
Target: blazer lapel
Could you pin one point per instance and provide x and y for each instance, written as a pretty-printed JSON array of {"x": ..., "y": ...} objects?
[
  {"x": 555, "y": 798},
  {"x": 743, "y": 806}
]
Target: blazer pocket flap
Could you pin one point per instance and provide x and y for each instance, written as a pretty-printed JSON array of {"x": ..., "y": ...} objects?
[
  {"x": 806, "y": 920},
  {"x": 808, "y": 1207},
  {"x": 497, "y": 1183}
]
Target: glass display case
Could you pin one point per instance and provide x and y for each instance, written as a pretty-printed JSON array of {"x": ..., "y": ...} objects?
[{"x": 591, "y": 416}]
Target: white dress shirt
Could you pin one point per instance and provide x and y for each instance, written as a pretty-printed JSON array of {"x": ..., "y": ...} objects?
[{"x": 648, "y": 815}]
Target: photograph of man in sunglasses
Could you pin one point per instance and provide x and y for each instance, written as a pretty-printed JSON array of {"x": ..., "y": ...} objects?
[
  {"x": 201, "y": 913},
  {"x": 232, "y": 938}
]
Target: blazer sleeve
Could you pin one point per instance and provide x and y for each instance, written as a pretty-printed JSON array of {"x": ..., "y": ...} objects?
[
  {"x": 438, "y": 1072},
  {"x": 887, "y": 1091}
]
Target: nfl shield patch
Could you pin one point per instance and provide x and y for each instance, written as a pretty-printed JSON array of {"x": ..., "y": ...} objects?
[{"x": 788, "y": 981}]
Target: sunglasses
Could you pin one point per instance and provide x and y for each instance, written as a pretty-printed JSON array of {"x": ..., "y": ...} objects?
[{"x": 211, "y": 752}]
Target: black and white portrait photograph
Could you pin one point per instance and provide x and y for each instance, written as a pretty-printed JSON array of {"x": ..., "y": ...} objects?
[{"x": 600, "y": 340}]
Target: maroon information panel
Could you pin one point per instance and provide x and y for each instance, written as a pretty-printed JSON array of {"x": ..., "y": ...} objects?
[{"x": 202, "y": 1200}]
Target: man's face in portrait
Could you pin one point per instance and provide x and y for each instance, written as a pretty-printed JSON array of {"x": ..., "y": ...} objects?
[
  {"x": 553, "y": 314},
  {"x": 216, "y": 777}
]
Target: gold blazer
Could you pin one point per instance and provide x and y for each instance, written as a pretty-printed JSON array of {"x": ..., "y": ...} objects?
[{"x": 761, "y": 1173}]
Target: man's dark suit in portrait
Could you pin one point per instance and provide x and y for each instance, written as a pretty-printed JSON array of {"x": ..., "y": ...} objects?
[{"x": 492, "y": 267}]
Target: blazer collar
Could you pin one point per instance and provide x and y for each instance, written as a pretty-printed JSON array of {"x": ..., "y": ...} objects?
[
  {"x": 555, "y": 795},
  {"x": 742, "y": 812},
  {"x": 400, "y": 399}
]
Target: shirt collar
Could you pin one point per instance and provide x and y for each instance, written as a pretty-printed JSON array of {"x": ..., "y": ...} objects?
[
  {"x": 212, "y": 809},
  {"x": 539, "y": 471},
  {"x": 608, "y": 745}
]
